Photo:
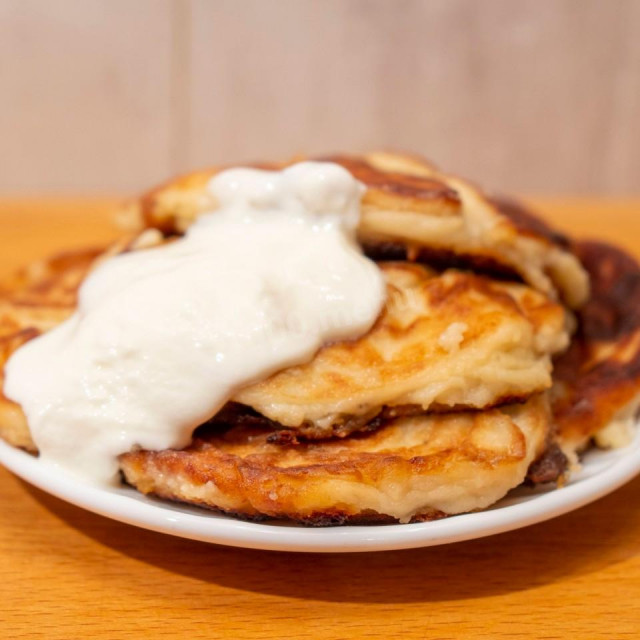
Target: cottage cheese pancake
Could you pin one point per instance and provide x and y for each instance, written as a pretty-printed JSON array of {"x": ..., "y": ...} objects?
[
  {"x": 450, "y": 340},
  {"x": 412, "y": 211},
  {"x": 596, "y": 391},
  {"x": 357, "y": 339},
  {"x": 415, "y": 468},
  {"x": 443, "y": 341},
  {"x": 163, "y": 337}
]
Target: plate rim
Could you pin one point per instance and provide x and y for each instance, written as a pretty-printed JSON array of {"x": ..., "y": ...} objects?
[{"x": 130, "y": 507}]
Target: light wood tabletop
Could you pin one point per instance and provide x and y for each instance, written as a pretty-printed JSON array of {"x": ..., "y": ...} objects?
[{"x": 66, "y": 573}]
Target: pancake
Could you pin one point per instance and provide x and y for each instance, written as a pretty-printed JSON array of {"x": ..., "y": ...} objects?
[
  {"x": 33, "y": 301},
  {"x": 411, "y": 469},
  {"x": 443, "y": 341},
  {"x": 43, "y": 294},
  {"x": 411, "y": 211},
  {"x": 450, "y": 340},
  {"x": 597, "y": 381},
  {"x": 38, "y": 298},
  {"x": 446, "y": 404}
]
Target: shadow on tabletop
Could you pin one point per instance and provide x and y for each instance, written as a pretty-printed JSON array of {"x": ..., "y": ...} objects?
[{"x": 590, "y": 539}]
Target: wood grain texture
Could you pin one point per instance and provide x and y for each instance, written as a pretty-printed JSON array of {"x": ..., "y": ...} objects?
[
  {"x": 66, "y": 573},
  {"x": 110, "y": 95}
]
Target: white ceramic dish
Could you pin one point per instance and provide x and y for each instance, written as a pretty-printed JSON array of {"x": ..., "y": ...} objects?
[{"x": 602, "y": 472}]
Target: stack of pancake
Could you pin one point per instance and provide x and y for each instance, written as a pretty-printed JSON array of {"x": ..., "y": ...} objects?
[{"x": 504, "y": 349}]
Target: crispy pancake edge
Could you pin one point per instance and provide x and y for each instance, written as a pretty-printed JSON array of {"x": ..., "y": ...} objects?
[
  {"x": 598, "y": 379},
  {"x": 467, "y": 462}
]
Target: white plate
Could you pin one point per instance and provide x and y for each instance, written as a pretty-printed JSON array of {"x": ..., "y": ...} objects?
[{"x": 602, "y": 472}]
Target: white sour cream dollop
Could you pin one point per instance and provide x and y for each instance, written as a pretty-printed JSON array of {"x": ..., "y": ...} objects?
[{"x": 163, "y": 337}]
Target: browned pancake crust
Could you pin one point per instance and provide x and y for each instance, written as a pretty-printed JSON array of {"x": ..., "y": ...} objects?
[
  {"x": 348, "y": 385},
  {"x": 509, "y": 330},
  {"x": 399, "y": 189},
  {"x": 411, "y": 469},
  {"x": 51, "y": 283},
  {"x": 600, "y": 374},
  {"x": 404, "y": 187},
  {"x": 409, "y": 205},
  {"x": 528, "y": 223}
]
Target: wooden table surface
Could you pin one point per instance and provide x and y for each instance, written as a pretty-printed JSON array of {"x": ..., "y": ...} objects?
[{"x": 66, "y": 573}]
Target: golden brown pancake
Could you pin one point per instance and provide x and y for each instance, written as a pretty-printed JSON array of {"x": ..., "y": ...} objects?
[
  {"x": 441, "y": 407},
  {"x": 411, "y": 469},
  {"x": 597, "y": 382},
  {"x": 450, "y": 340},
  {"x": 38, "y": 298},
  {"x": 33, "y": 301},
  {"x": 410, "y": 211}
]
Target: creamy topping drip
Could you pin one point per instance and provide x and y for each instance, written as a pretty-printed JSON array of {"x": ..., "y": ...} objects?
[{"x": 163, "y": 337}]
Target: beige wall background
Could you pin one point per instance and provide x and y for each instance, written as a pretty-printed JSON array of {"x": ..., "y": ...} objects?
[{"x": 110, "y": 96}]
